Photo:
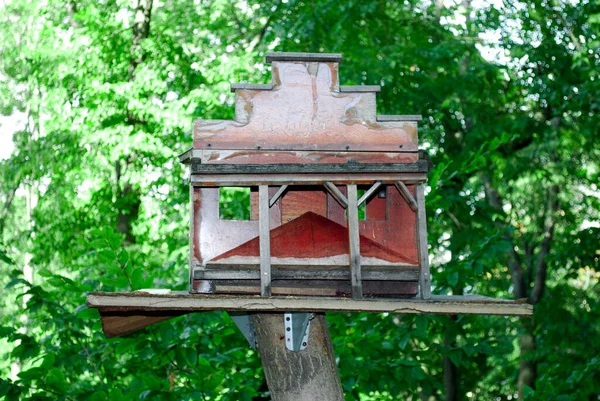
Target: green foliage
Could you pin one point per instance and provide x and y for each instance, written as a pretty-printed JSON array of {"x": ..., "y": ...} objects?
[{"x": 93, "y": 198}]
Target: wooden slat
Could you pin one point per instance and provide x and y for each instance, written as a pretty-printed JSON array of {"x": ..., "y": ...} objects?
[
  {"x": 420, "y": 166},
  {"x": 336, "y": 193},
  {"x": 354, "y": 242},
  {"x": 303, "y": 57},
  {"x": 369, "y": 192},
  {"x": 406, "y": 195},
  {"x": 252, "y": 272},
  {"x": 265, "y": 241},
  {"x": 425, "y": 279},
  {"x": 277, "y": 195},
  {"x": 212, "y": 180},
  {"x": 388, "y": 289},
  {"x": 262, "y": 156},
  {"x": 468, "y": 304}
]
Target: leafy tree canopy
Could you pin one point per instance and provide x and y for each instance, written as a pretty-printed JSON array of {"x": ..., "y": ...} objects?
[{"x": 94, "y": 199}]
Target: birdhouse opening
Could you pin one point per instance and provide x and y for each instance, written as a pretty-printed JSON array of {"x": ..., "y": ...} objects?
[{"x": 234, "y": 203}]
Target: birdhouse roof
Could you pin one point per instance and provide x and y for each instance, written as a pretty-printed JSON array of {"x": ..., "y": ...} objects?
[{"x": 304, "y": 108}]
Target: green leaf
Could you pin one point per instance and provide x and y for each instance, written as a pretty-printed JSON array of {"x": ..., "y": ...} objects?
[
  {"x": 137, "y": 280},
  {"x": 4, "y": 258},
  {"x": 452, "y": 279},
  {"x": 56, "y": 379}
]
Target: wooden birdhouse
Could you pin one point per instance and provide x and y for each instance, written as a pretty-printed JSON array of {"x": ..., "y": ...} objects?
[
  {"x": 331, "y": 193},
  {"x": 307, "y": 192}
]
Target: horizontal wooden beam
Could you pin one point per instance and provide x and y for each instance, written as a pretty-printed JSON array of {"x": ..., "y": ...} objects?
[
  {"x": 316, "y": 272},
  {"x": 215, "y": 180},
  {"x": 303, "y": 57},
  {"x": 420, "y": 166},
  {"x": 360, "y": 88},
  {"x": 388, "y": 118},
  {"x": 138, "y": 302}
]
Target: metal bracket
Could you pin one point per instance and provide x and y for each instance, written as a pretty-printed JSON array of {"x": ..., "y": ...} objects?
[
  {"x": 243, "y": 321},
  {"x": 297, "y": 327}
]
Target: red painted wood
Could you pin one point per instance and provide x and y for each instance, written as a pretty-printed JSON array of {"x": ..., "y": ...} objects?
[
  {"x": 397, "y": 232},
  {"x": 314, "y": 236},
  {"x": 376, "y": 208},
  {"x": 296, "y": 202},
  {"x": 305, "y": 111}
]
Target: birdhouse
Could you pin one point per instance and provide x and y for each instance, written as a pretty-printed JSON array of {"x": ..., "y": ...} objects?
[
  {"x": 305, "y": 199},
  {"x": 329, "y": 195}
]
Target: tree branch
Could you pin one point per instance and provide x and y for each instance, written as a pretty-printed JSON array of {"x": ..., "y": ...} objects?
[
  {"x": 513, "y": 260},
  {"x": 542, "y": 264}
]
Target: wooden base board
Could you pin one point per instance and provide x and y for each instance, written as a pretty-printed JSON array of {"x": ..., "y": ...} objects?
[
  {"x": 123, "y": 313},
  {"x": 323, "y": 288},
  {"x": 184, "y": 301}
]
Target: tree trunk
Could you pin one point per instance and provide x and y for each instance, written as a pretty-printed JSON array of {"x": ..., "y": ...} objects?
[
  {"x": 450, "y": 369},
  {"x": 308, "y": 375},
  {"x": 527, "y": 364}
]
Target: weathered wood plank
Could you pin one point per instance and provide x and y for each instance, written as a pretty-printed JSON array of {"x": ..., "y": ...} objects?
[
  {"x": 212, "y": 180},
  {"x": 246, "y": 86},
  {"x": 354, "y": 242},
  {"x": 360, "y": 88},
  {"x": 304, "y": 57},
  {"x": 425, "y": 280},
  {"x": 406, "y": 195},
  {"x": 252, "y": 272},
  {"x": 387, "y": 118},
  {"x": 262, "y": 156},
  {"x": 466, "y": 304},
  {"x": 420, "y": 166},
  {"x": 265, "y": 241},
  {"x": 388, "y": 289},
  {"x": 118, "y": 324}
]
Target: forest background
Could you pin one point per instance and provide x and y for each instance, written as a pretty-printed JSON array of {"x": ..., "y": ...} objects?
[{"x": 101, "y": 96}]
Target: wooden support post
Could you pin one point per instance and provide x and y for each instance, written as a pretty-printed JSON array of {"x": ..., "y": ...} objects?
[
  {"x": 265, "y": 240},
  {"x": 354, "y": 238},
  {"x": 306, "y": 375},
  {"x": 425, "y": 278}
]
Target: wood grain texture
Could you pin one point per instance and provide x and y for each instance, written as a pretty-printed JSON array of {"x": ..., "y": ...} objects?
[
  {"x": 302, "y": 272},
  {"x": 331, "y": 288},
  {"x": 118, "y": 324},
  {"x": 308, "y": 375},
  {"x": 259, "y": 156},
  {"x": 419, "y": 166},
  {"x": 354, "y": 255},
  {"x": 139, "y": 303},
  {"x": 425, "y": 280},
  {"x": 265, "y": 241},
  {"x": 298, "y": 201},
  {"x": 318, "y": 116},
  {"x": 211, "y": 180}
]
